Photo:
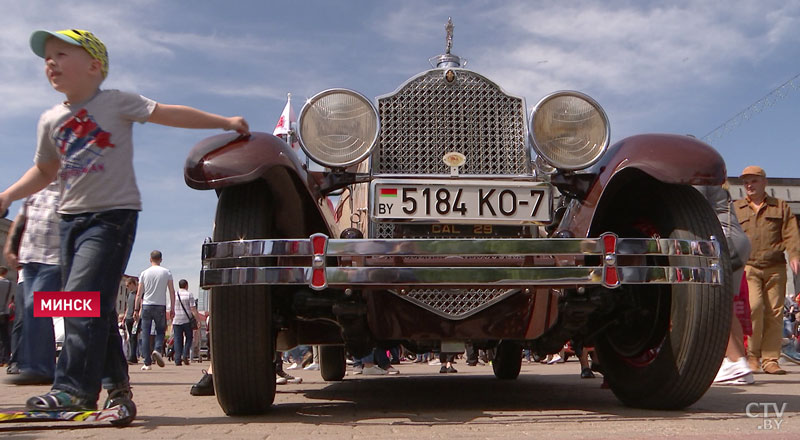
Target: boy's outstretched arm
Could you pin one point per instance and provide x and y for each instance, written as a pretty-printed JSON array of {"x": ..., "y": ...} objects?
[
  {"x": 33, "y": 181},
  {"x": 189, "y": 117}
]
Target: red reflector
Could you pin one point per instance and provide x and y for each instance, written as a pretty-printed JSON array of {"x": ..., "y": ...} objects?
[
  {"x": 318, "y": 242},
  {"x": 610, "y": 273},
  {"x": 610, "y": 244},
  {"x": 318, "y": 278},
  {"x": 612, "y": 279}
]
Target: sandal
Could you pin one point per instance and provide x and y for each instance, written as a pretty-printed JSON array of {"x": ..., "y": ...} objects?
[{"x": 58, "y": 400}]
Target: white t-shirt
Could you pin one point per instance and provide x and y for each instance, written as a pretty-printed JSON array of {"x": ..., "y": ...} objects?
[
  {"x": 187, "y": 299},
  {"x": 94, "y": 142},
  {"x": 154, "y": 282}
]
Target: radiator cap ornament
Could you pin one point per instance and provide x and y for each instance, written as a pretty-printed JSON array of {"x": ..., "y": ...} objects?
[{"x": 448, "y": 59}]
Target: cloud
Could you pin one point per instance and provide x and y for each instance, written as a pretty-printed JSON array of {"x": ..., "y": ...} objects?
[
  {"x": 25, "y": 94},
  {"x": 616, "y": 47},
  {"x": 783, "y": 23},
  {"x": 138, "y": 41},
  {"x": 643, "y": 61},
  {"x": 177, "y": 226},
  {"x": 218, "y": 44},
  {"x": 413, "y": 23},
  {"x": 628, "y": 49}
]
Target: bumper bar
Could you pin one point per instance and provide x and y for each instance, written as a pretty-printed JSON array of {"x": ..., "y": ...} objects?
[{"x": 700, "y": 264}]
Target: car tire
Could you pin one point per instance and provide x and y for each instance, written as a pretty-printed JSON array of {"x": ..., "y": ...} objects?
[
  {"x": 332, "y": 365},
  {"x": 665, "y": 355},
  {"x": 241, "y": 330},
  {"x": 507, "y": 360}
]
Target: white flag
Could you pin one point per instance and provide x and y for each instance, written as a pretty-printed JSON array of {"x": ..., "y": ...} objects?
[{"x": 287, "y": 119}]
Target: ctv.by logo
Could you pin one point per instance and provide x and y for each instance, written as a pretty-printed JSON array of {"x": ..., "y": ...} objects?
[{"x": 770, "y": 412}]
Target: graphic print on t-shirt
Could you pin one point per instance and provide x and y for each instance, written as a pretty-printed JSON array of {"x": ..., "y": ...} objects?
[{"x": 81, "y": 143}]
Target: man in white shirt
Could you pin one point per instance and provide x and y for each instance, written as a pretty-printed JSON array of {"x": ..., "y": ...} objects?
[
  {"x": 182, "y": 331},
  {"x": 151, "y": 303}
]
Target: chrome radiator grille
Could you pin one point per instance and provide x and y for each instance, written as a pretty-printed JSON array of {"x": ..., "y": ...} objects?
[
  {"x": 430, "y": 116},
  {"x": 456, "y": 303},
  {"x": 449, "y": 303}
]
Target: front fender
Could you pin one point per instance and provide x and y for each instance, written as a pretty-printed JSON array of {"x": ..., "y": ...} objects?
[
  {"x": 668, "y": 158},
  {"x": 227, "y": 160},
  {"x": 672, "y": 159}
]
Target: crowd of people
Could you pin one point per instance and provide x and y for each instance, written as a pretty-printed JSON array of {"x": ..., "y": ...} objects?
[
  {"x": 184, "y": 325},
  {"x": 383, "y": 362}
]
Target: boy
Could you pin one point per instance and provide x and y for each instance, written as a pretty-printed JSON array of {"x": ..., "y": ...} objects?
[{"x": 86, "y": 142}]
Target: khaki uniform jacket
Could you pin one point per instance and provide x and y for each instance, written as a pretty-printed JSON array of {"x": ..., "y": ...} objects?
[{"x": 771, "y": 230}]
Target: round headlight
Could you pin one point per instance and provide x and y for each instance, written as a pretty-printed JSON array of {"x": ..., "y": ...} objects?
[
  {"x": 338, "y": 128},
  {"x": 569, "y": 130}
]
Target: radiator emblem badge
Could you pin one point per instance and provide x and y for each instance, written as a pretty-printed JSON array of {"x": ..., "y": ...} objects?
[{"x": 454, "y": 159}]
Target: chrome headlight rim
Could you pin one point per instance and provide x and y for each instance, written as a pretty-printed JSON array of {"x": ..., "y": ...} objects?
[
  {"x": 555, "y": 163},
  {"x": 311, "y": 101}
]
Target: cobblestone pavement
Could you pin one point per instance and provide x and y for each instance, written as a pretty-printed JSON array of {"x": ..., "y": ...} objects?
[{"x": 547, "y": 401}]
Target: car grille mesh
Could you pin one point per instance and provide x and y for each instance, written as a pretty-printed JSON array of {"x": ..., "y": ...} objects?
[
  {"x": 385, "y": 230},
  {"x": 456, "y": 303},
  {"x": 450, "y": 303},
  {"x": 431, "y": 116}
]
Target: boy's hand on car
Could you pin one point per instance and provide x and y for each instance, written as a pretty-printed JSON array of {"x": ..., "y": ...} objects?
[{"x": 239, "y": 125}]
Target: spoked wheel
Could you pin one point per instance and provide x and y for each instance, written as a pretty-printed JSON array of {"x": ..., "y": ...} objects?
[
  {"x": 507, "y": 360},
  {"x": 242, "y": 340},
  {"x": 667, "y": 344},
  {"x": 332, "y": 365}
]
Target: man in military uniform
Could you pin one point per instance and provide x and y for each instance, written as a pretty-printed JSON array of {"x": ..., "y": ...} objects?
[{"x": 772, "y": 229}]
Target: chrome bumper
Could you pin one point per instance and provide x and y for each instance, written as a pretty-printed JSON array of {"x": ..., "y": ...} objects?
[{"x": 699, "y": 263}]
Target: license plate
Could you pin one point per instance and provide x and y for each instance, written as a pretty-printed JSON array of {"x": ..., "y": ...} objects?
[{"x": 461, "y": 201}]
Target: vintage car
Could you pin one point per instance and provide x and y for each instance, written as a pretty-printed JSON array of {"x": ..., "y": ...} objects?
[{"x": 460, "y": 218}]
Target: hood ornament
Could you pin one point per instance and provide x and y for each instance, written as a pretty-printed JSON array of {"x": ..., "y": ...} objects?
[
  {"x": 447, "y": 59},
  {"x": 449, "y": 38}
]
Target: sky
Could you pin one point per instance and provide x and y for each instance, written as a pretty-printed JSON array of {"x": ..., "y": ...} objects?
[{"x": 682, "y": 67}]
